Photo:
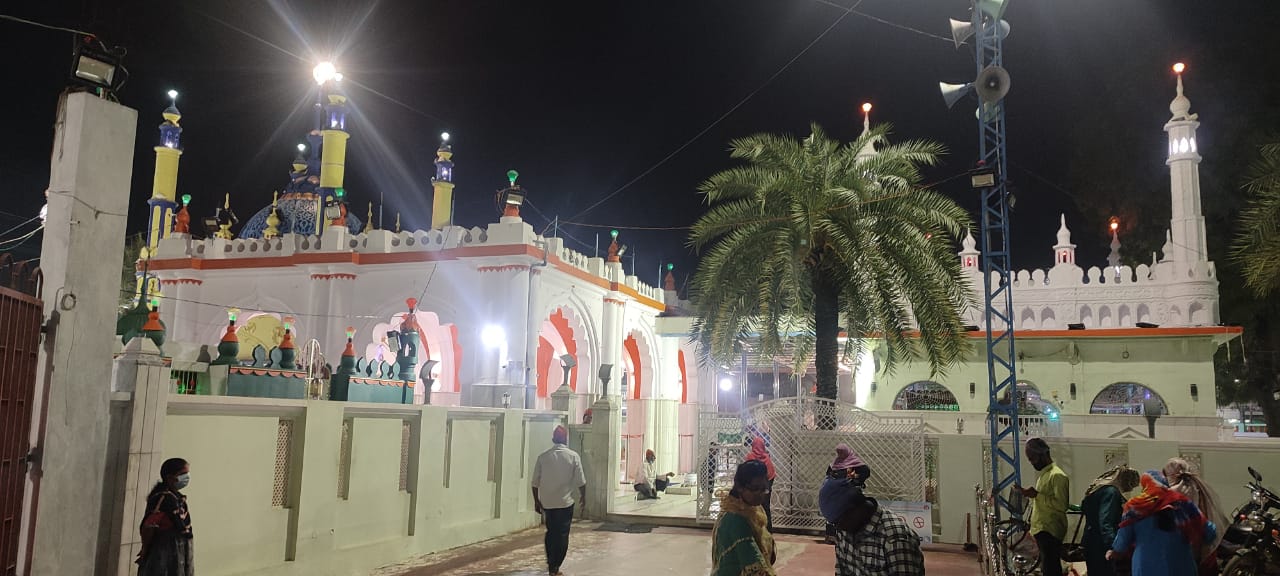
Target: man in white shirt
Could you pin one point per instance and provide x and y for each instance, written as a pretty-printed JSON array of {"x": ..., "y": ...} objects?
[
  {"x": 648, "y": 482},
  {"x": 555, "y": 475}
]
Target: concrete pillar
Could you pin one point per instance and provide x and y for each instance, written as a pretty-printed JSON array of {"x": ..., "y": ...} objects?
[
  {"x": 140, "y": 386},
  {"x": 80, "y": 256},
  {"x": 611, "y": 338},
  {"x": 601, "y": 452}
]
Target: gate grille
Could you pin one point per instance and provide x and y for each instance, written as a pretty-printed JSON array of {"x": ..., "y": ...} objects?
[
  {"x": 20, "y": 318},
  {"x": 801, "y": 434}
]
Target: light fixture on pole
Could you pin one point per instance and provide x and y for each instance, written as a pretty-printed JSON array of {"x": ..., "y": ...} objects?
[
  {"x": 95, "y": 66},
  {"x": 511, "y": 198}
]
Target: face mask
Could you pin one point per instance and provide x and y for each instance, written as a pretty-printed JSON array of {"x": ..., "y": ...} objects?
[{"x": 182, "y": 481}]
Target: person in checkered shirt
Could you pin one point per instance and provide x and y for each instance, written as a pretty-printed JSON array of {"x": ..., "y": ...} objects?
[{"x": 870, "y": 540}]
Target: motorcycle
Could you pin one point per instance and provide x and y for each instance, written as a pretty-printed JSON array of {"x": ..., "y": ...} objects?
[{"x": 1251, "y": 544}]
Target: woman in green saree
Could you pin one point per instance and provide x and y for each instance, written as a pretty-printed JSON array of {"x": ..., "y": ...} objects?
[{"x": 740, "y": 543}]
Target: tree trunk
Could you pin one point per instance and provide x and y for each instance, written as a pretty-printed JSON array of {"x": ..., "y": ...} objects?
[{"x": 826, "y": 351}]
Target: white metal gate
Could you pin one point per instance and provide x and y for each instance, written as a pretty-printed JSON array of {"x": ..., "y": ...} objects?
[{"x": 801, "y": 435}]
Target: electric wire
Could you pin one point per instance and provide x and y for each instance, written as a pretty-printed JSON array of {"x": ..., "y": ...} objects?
[
  {"x": 721, "y": 118},
  {"x": 886, "y": 22},
  {"x": 34, "y": 23},
  {"x": 28, "y": 221}
]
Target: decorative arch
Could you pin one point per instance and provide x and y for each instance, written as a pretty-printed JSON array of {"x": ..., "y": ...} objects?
[
  {"x": 1144, "y": 313},
  {"x": 556, "y": 338},
  {"x": 926, "y": 395},
  {"x": 1126, "y": 317},
  {"x": 1174, "y": 317},
  {"x": 1086, "y": 316},
  {"x": 1028, "y": 320},
  {"x": 584, "y": 329},
  {"x": 1125, "y": 398},
  {"x": 1105, "y": 320},
  {"x": 1197, "y": 314},
  {"x": 1048, "y": 321}
]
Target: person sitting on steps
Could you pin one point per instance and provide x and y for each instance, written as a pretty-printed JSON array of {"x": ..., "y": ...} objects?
[{"x": 648, "y": 483}]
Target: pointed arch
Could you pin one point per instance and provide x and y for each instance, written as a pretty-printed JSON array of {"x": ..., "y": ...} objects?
[
  {"x": 926, "y": 395},
  {"x": 1126, "y": 398}
]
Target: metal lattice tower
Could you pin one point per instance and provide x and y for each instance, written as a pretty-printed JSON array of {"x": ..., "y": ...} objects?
[
  {"x": 997, "y": 270},
  {"x": 990, "y": 85}
]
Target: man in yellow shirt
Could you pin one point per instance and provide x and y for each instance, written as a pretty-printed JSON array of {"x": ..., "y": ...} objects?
[{"x": 1049, "y": 507}]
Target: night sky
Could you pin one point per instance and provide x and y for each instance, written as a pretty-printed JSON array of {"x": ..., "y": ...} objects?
[{"x": 584, "y": 97}]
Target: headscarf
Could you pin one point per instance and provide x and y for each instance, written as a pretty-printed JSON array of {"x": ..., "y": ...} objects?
[
  {"x": 1157, "y": 498},
  {"x": 648, "y": 454},
  {"x": 758, "y": 452},
  {"x": 1194, "y": 488},
  {"x": 836, "y": 496},
  {"x": 845, "y": 458},
  {"x": 1123, "y": 478},
  {"x": 560, "y": 435}
]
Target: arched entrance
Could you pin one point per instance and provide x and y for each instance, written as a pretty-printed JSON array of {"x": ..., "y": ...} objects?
[
  {"x": 926, "y": 395},
  {"x": 1126, "y": 398}
]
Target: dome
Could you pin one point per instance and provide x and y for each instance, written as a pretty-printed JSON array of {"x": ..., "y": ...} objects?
[{"x": 297, "y": 213}]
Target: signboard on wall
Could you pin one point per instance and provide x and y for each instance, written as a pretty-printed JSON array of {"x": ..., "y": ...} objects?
[{"x": 919, "y": 516}]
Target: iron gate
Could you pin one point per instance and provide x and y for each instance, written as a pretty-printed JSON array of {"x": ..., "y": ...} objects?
[
  {"x": 20, "y": 319},
  {"x": 801, "y": 435}
]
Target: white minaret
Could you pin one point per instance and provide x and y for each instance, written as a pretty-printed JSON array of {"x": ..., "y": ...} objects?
[
  {"x": 1186, "y": 226},
  {"x": 1064, "y": 252}
]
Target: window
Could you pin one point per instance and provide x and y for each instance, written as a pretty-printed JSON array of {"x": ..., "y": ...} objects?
[{"x": 926, "y": 395}]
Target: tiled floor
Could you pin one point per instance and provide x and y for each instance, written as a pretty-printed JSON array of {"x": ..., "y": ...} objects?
[
  {"x": 667, "y": 506},
  {"x": 674, "y": 551}
]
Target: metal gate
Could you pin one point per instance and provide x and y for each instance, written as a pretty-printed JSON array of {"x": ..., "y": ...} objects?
[
  {"x": 20, "y": 320},
  {"x": 801, "y": 435}
]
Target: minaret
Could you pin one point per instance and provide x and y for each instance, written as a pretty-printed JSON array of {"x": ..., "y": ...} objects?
[
  {"x": 1113, "y": 259},
  {"x": 164, "y": 184},
  {"x": 1064, "y": 252},
  {"x": 333, "y": 151},
  {"x": 442, "y": 206},
  {"x": 1186, "y": 226},
  {"x": 969, "y": 255}
]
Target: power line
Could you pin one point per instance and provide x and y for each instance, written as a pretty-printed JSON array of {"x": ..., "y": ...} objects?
[
  {"x": 885, "y": 22},
  {"x": 34, "y": 23},
  {"x": 717, "y": 121}
]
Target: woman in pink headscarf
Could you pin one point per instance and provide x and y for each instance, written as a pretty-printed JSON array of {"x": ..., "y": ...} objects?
[{"x": 761, "y": 454}]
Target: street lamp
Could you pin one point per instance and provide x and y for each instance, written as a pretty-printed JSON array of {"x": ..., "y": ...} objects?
[{"x": 324, "y": 72}]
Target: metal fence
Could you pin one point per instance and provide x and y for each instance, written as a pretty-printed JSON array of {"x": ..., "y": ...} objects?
[
  {"x": 801, "y": 435},
  {"x": 21, "y": 316}
]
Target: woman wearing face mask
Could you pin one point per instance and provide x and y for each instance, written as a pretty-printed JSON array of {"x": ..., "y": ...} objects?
[
  {"x": 166, "y": 529},
  {"x": 740, "y": 542}
]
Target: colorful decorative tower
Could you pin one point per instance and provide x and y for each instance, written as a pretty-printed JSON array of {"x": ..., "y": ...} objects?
[
  {"x": 287, "y": 351},
  {"x": 442, "y": 205},
  {"x": 511, "y": 198},
  {"x": 182, "y": 222},
  {"x": 153, "y": 329},
  {"x": 407, "y": 352},
  {"x": 273, "y": 220},
  {"x": 347, "y": 365},
  {"x": 164, "y": 184},
  {"x": 1187, "y": 233},
  {"x": 333, "y": 152},
  {"x": 229, "y": 347},
  {"x": 615, "y": 253},
  {"x": 969, "y": 254}
]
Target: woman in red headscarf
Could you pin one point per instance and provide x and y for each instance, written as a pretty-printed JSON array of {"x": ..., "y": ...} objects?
[
  {"x": 1162, "y": 529},
  {"x": 761, "y": 454}
]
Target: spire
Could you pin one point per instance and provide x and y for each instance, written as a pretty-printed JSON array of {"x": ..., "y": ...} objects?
[
  {"x": 164, "y": 183},
  {"x": 1180, "y": 106},
  {"x": 1166, "y": 251},
  {"x": 615, "y": 253},
  {"x": 1113, "y": 259},
  {"x": 182, "y": 222},
  {"x": 1064, "y": 252},
  {"x": 273, "y": 219},
  {"x": 869, "y": 149},
  {"x": 368, "y": 220},
  {"x": 226, "y": 218},
  {"x": 442, "y": 185}
]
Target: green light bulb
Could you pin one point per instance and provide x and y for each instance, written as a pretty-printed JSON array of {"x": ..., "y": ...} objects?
[
  {"x": 613, "y": 234},
  {"x": 512, "y": 175},
  {"x": 186, "y": 199},
  {"x": 340, "y": 192},
  {"x": 670, "y": 266}
]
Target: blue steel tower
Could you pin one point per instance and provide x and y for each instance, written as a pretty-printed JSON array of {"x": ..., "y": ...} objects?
[{"x": 990, "y": 86}]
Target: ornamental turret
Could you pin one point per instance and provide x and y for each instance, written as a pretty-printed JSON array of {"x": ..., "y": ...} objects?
[
  {"x": 1064, "y": 252},
  {"x": 442, "y": 184}
]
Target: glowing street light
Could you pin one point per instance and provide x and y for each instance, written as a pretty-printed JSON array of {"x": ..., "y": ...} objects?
[
  {"x": 726, "y": 384},
  {"x": 1179, "y": 67},
  {"x": 173, "y": 95},
  {"x": 444, "y": 136},
  {"x": 866, "y": 107},
  {"x": 324, "y": 72}
]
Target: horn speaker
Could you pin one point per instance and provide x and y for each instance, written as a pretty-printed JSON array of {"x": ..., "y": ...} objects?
[
  {"x": 961, "y": 31},
  {"x": 952, "y": 93},
  {"x": 992, "y": 84}
]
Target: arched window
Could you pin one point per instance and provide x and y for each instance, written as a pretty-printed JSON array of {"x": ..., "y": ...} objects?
[
  {"x": 1126, "y": 398},
  {"x": 926, "y": 395}
]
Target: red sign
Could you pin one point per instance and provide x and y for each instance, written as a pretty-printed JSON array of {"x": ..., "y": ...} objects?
[{"x": 919, "y": 522}]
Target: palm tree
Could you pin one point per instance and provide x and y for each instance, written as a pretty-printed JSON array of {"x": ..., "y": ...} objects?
[
  {"x": 1257, "y": 244},
  {"x": 812, "y": 232}
]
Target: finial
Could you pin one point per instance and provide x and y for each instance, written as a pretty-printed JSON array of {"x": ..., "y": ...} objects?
[
  {"x": 350, "y": 350},
  {"x": 227, "y": 203},
  {"x": 368, "y": 220},
  {"x": 182, "y": 220},
  {"x": 866, "y": 115},
  {"x": 275, "y": 198},
  {"x": 1064, "y": 234},
  {"x": 411, "y": 303},
  {"x": 1181, "y": 106},
  {"x": 512, "y": 175},
  {"x": 397, "y": 222},
  {"x": 669, "y": 282}
]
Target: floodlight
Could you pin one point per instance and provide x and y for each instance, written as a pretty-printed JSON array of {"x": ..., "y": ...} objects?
[
  {"x": 726, "y": 383},
  {"x": 93, "y": 67},
  {"x": 493, "y": 336},
  {"x": 324, "y": 72}
]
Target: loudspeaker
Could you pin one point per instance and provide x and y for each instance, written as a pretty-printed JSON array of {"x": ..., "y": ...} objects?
[
  {"x": 952, "y": 93},
  {"x": 606, "y": 371},
  {"x": 1147, "y": 325},
  {"x": 992, "y": 84},
  {"x": 992, "y": 8},
  {"x": 961, "y": 31}
]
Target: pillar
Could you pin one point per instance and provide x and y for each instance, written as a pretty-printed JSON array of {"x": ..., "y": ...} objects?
[{"x": 80, "y": 255}]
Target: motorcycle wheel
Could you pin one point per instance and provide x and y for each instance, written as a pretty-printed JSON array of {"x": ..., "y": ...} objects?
[{"x": 1243, "y": 565}]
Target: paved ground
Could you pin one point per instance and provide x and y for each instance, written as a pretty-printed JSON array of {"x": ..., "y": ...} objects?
[{"x": 675, "y": 551}]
